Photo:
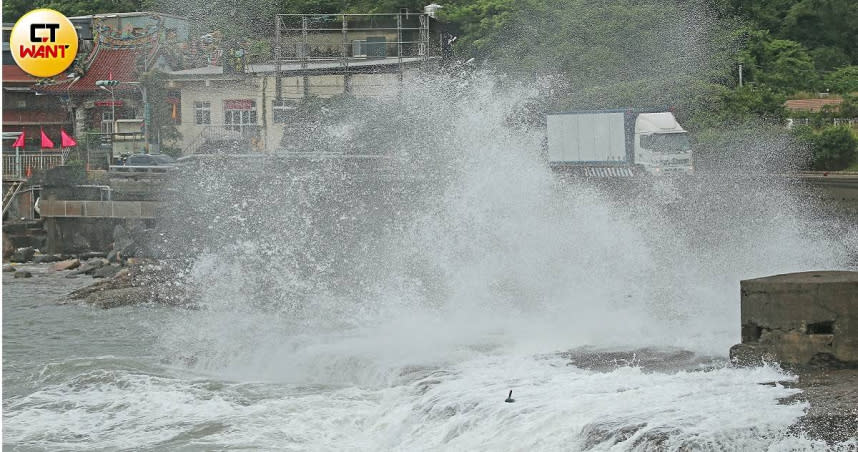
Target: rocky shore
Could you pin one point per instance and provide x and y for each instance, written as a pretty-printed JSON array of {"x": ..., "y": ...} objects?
[
  {"x": 831, "y": 393},
  {"x": 120, "y": 281},
  {"x": 833, "y": 398}
]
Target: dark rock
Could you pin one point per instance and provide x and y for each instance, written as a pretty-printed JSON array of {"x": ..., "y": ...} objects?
[
  {"x": 23, "y": 274},
  {"x": 142, "y": 281},
  {"x": 97, "y": 262},
  {"x": 106, "y": 272},
  {"x": 87, "y": 268},
  {"x": 89, "y": 255},
  {"x": 46, "y": 258},
  {"x": 113, "y": 256},
  {"x": 23, "y": 254},
  {"x": 118, "y": 297}
]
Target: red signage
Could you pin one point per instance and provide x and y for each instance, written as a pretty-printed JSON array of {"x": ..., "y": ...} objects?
[
  {"x": 239, "y": 104},
  {"x": 108, "y": 103}
]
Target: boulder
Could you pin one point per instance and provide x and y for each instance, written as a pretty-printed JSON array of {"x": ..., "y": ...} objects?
[
  {"x": 89, "y": 267},
  {"x": 97, "y": 262},
  {"x": 69, "y": 264},
  {"x": 46, "y": 258},
  {"x": 23, "y": 254},
  {"x": 113, "y": 256},
  {"x": 85, "y": 269},
  {"x": 106, "y": 271},
  {"x": 90, "y": 255},
  {"x": 23, "y": 274},
  {"x": 8, "y": 268}
]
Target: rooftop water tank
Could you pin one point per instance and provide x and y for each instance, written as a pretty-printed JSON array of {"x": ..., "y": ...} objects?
[{"x": 432, "y": 9}]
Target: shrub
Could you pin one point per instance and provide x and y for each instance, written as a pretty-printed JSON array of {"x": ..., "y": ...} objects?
[{"x": 834, "y": 148}]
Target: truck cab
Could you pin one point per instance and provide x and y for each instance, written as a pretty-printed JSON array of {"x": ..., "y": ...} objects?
[{"x": 661, "y": 144}]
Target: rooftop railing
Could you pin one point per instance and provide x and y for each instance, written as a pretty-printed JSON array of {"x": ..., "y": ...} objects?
[{"x": 23, "y": 165}]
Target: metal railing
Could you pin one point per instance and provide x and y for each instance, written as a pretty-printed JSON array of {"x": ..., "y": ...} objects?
[
  {"x": 23, "y": 165},
  {"x": 347, "y": 38},
  {"x": 238, "y": 137},
  {"x": 852, "y": 122},
  {"x": 99, "y": 209}
]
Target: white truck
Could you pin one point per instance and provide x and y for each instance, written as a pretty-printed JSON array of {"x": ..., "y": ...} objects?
[{"x": 618, "y": 143}]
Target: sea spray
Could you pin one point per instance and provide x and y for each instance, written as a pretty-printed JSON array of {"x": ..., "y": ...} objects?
[{"x": 454, "y": 238}]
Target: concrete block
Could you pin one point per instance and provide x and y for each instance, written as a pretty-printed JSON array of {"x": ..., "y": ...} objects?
[{"x": 801, "y": 318}]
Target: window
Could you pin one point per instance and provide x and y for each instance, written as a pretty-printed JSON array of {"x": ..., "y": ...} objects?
[
  {"x": 239, "y": 115},
  {"x": 666, "y": 142},
  {"x": 203, "y": 112},
  {"x": 107, "y": 121},
  {"x": 281, "y": 110}
]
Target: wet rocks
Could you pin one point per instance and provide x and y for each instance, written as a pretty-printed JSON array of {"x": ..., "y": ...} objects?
[
  {"x": 46, "y": 258},
  {"x": 8, "y": 268},
  {"x": 106, "y": 271},
  {"x": 69, "y": 264},
  {"x": 141, "y": 281},
  {"x": 23, "y": 254},
  {"x": 833, "y": 398},
  {"x": 23, "y": 274},
  {"x": 639, "y": 436},
  {"x": 90, "y": 266}
]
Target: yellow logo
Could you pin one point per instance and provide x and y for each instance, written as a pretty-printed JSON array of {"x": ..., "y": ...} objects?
[{"x": 43, "y": 42}]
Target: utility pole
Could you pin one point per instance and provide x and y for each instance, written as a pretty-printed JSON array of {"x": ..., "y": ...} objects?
[
  {"x": 104, "y": 84},
  {"x": 740, "y": 75}
]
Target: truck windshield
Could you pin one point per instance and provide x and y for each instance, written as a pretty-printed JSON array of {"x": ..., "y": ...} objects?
[{"x": 666, "y": 142}]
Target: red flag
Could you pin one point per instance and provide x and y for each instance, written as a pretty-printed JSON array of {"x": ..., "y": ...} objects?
[
  {"x": 46, "y": 142},
  {"x": 19, "y": 143},
  {"x": 67, "y": 140}
]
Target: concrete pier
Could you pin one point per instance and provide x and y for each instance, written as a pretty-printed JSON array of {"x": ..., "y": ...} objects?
[{"x": 800, "y": 319}]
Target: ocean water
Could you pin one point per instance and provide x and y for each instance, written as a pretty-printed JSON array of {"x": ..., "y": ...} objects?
[
  {"x": 78, "y": 378},
  {"x": 332, "y": 308}
]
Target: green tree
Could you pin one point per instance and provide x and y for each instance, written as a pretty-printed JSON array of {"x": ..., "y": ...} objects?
[
  {"x": 843, "y": 80},
  {"x": 783, "y": 66},
  {"x": 829, "y": 58},
  {"x": 764, "y": 14},
  {"x": 821, "y": 23},
  {"x": 834, "y": 148},
  {"x": 14, "y": 9},
  {"x": 849, "y": 107},
  {"x": 750, "y": 102}
]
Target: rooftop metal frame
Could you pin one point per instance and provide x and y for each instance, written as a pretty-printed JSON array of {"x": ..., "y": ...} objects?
[{"x": 302, "y": 31}]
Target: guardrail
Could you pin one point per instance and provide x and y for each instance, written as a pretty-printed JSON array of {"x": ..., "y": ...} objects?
[
  {"x": 98, "y": 209},
  {"x": 139, "y": 171},
  {"x": 23, "y": 165}
]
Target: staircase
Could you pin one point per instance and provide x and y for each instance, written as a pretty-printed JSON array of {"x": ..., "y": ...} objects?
[{"x": 11, "y": 194}]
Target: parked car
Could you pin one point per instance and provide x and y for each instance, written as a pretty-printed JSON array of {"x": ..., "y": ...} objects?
[{"x": 144, "y": 164}]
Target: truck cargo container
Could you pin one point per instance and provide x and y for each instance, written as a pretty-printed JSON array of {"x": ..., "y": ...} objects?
[{"x": 618, "y": 143}]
